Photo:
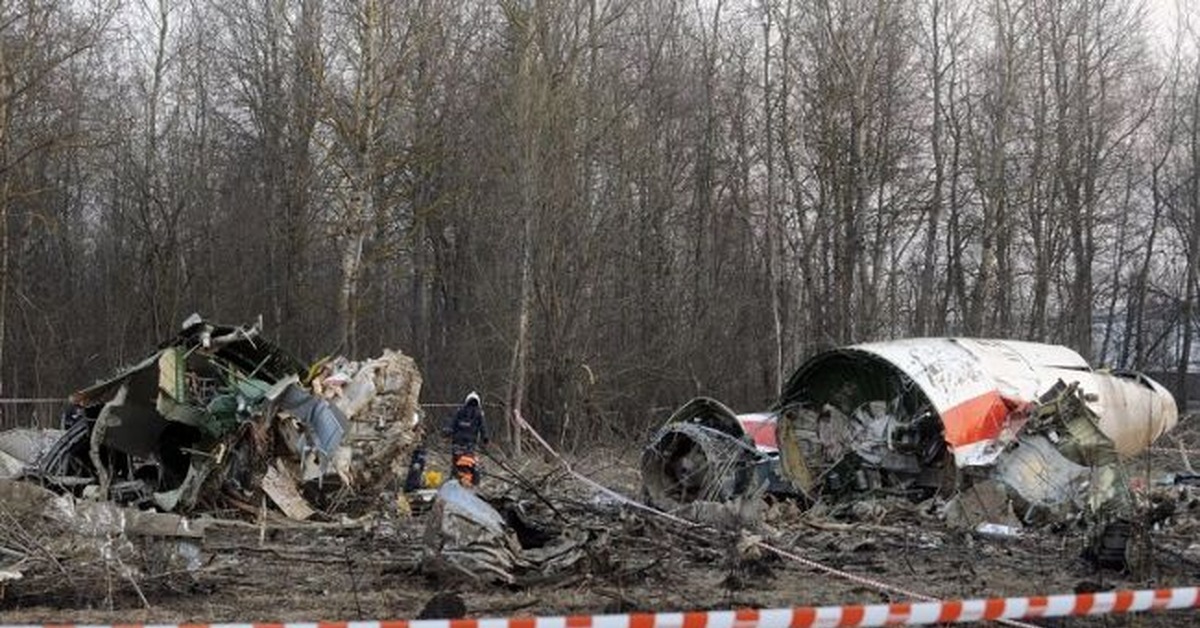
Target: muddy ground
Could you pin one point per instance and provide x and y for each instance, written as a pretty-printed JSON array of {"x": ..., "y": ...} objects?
[{"x": 249, "y": 571}]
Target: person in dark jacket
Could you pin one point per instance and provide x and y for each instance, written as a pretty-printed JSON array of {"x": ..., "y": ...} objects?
[
  {"x": 467, "y": 431},
  {"x": 416, "y": 471}
]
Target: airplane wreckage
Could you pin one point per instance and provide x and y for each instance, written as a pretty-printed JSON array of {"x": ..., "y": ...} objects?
[
  {"x": 220, "y": 418},
  {"x": 220, "y": 421},
  {"x": 1012, "y": 432}
]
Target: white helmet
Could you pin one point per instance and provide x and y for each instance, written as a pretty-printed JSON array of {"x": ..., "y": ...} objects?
[{"x": 474, "y": 396}]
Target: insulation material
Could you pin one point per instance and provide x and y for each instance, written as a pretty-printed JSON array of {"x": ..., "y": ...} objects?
[{"x": 380, "y": 401}]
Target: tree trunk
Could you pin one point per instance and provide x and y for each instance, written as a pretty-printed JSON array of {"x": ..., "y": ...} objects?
[
  {"x": 1193, "y": 249},
  {"x": 5, "y": 188},
  {"x": 351, "y": 267},
  {"x": 361, "y": 209},
  {"x": 528, "y": 155},
  {"x": 924, "y": 313},
  {"x": 772, "y": 246}
]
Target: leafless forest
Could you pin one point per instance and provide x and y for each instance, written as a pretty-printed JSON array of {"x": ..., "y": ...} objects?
[{"x": 590, "y": 209}]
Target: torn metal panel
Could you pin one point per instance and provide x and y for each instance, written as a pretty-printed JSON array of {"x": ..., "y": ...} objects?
[
  {"x": 567, "y": 551},
  {"x": 468, "y": 538},
  {"x": 760, "y": 427},
  {"x": 23, "y": 447},
  {"x": 130, "y": 421},
  {"x": 27, "y": 501},
  {"x": 325, "y": 422},
  {"x": 10, "y": 467},
  {"x": 1064, "y": 415},
  {"x": 280, "y": 486},
  {"x": 1133, "y": 410},
  {"x": 242, "y": 347},
  {"x": 1045, "y": 483},
  {"x": 28, "y": 444},
  {"x": 102, "y": 392}
]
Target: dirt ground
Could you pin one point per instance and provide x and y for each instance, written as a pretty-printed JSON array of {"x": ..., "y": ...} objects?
[{"x": 306, "y": 572}]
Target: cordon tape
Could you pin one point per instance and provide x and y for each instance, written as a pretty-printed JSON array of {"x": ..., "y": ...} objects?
[{"x": 896, "y": 614}]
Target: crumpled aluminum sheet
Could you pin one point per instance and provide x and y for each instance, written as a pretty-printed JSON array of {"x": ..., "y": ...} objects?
[
  {"x": 28, "y": 444},
  {"x": 467, "y": 537},
  {"x": 1042, "y": 476},
  {"x": 10, "y": 467}
]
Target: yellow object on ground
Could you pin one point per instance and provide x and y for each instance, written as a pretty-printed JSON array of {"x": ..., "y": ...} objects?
[
  {"x": 432, "y": 479},
  {"x": 403, "y": 506}
]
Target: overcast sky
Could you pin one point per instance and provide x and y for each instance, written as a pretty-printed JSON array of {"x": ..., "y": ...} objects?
[{"x": 1162, "y": 19}]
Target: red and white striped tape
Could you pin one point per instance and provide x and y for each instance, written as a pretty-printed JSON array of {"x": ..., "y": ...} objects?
[{"x": 898, "y": 614}]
